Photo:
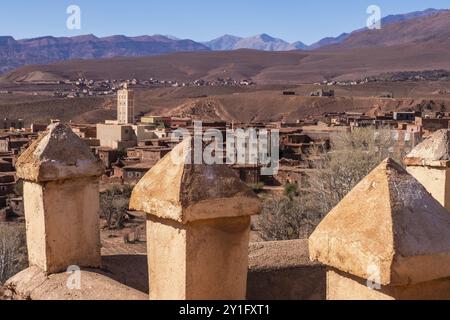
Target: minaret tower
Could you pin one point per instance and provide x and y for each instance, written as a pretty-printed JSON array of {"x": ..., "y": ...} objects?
[{"x": 125, "y": 106}]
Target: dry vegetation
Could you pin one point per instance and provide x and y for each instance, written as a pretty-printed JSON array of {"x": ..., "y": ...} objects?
[
  {"x": 354, "y": 156},
  {"x": 13, "y": 256},
  {"x": 114, "y": 203}
]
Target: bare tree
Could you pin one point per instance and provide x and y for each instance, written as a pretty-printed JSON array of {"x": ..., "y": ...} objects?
[
  {"x": 114, "y": 204},
  {"x": 353, "y": 155},
  {"x": 287, "y": 218}
]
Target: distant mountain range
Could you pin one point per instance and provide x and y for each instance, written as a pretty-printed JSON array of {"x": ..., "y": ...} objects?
[
  {"x": 262, "y": 42},
  {"x": 267, "y": 43},
  {"x": 16, "y": 53}
]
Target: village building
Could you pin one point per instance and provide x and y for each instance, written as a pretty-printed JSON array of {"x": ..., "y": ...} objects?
[
  {"x": 85, "y": 131},
  {"x": 155, "y": 120},
  {"x": 15, "y": 143},
  {"x": 124, "y": 133},
  {"x": 248, "y": 173},
  {"x": 405, "y": 116},
  {"x": 430, "y": 125},
  {"x": 386, "y": 95},
  {"x": 37, "y": 127},
  {"x": 159, "y": 142},
  {"x": 132, "y": 174},
  {"x": 297, "y": 175},
  {"x": 116, "y": 136},
  {"x": 107, "y": 156},
  {"x": 7, "y": 184},
  {"x": 147, "y": 132},
  {"x": 151, "y": 154},
  {"x": 7, "y": 124},
  {"x": 322, "y": 93},
  {"x": 6, "y": 166},
  {"x": 179, "y": 122}
]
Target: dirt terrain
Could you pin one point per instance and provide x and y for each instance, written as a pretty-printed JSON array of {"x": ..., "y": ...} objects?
[
  {"x": 255, "y": 103},
  {"x": 291, "y": 68},
  {"x": 271, "y": 105}
]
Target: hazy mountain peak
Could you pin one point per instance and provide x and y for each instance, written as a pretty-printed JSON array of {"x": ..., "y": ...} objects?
[
  {"x": 168, "y": 36},
  {"x": 394, "y": 18},
  {"x": 224, "y": 43},
  {"x": 265, "y": 37},
  {"x": 264, "y": 42},
  {"x": 386, "y": 21},
  {"x": 6, "y": 40},
  {"x": 231, "y": 36},
  {"x": 86, "y": 37},
  {"x": 300, "y": 45}
]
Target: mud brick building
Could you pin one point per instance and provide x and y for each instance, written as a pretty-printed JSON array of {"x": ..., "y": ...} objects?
[
  {"x": 107, "y": 156},
  {"x": 150, "y": 154},
  {"x": 132, "y": 174}
]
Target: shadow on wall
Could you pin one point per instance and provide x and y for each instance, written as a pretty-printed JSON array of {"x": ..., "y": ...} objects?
[
  {"x": 282, "y": 270},
  {"x": 278, "y": 271},
  {"x": 294, "y": 283},
  {"x": 130, "y": 270}
]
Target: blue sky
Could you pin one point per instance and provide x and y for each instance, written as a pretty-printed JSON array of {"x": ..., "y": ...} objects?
[{"x": 200, "y": 20}]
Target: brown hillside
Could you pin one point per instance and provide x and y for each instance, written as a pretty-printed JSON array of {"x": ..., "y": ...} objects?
[
  {"x": 258, "y": 103},
  {"x": 433, "y": 30},
  {"x": 262, "y": 67}
]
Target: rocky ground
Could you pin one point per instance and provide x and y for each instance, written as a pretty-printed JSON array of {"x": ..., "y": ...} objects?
[{"x": 5, "y": 294}]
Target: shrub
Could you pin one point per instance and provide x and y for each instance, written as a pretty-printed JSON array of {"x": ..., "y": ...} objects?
[
  {"x": 291, "y": 190},
  {"x": 287, "y": 219},
  {"x": 353, "y": 156},
  {"x": 18, "y": 188},
  {"x": 114, "y": 205},
  {"x": 257, "y": 187}
]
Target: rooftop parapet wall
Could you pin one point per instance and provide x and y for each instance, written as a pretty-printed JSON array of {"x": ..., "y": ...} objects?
[
  {"x": 61, "y": 200},
  {"x": 59, "y": 154},
  {"x": 33, "y": 284},
  {"x": 198, "y": 228},
  {"x": 429, "y": 163},
  {"x": 388, "y": 229},
  {"x": 183, "y": 192},
  {"x": 433, "y": 152}
]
